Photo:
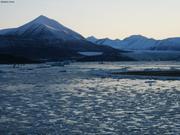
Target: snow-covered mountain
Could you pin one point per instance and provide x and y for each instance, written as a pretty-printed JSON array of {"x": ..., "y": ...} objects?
[
  {"x": 43, "y": 28},
  {"x": 92, "y": 39},
  {"x": 46, "y": 39},
  {"x": 170, "y": 44},
  {"x": 113, "y": 43},
  {"x": 138, "y": 42}
]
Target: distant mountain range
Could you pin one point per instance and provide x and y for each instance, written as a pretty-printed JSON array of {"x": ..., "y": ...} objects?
[
  {"x": 144, "y": 49},
  {"x": 138, "y": 42},
  {"x": 45, "y": 39}
]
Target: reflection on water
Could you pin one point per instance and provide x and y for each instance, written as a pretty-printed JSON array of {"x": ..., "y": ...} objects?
[{"x": 41, "y": 99}]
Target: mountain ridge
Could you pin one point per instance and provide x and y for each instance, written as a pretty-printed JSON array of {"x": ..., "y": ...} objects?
[
  {"x": 46, "y": 39},
  {"x": 139, "y": 42}
]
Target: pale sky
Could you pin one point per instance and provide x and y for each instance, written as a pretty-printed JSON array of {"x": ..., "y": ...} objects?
[{"x": 102, "y": 18}]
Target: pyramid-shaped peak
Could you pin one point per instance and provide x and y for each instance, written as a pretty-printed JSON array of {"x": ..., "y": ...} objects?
[
  {"x": 50, "y": 28},
  {"x": 44, "y": 19},
  {"x": 42, "y": 16}
]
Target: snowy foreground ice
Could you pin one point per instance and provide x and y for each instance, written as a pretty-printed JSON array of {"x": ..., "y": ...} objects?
[{"x": 84, "y": 98}]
